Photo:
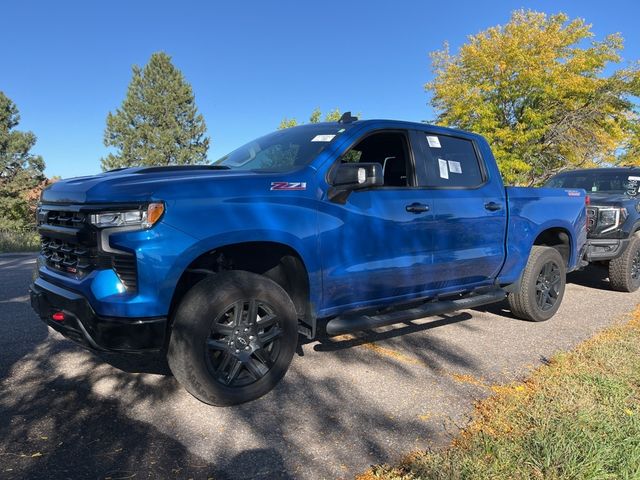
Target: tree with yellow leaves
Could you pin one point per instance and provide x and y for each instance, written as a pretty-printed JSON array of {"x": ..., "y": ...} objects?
[{"x": 536, "y": 88}]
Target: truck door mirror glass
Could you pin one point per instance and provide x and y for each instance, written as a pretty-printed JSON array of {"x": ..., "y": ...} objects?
[
  {"x": 362, "y": 175},
  {"x": 358, "y": 175},
  {"x": 354, "y": 176}
]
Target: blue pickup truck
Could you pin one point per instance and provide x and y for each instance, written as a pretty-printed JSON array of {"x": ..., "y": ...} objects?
[{"x": 315, "y": 230}]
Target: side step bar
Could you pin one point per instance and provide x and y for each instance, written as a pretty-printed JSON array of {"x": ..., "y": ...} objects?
[{"x": 354, "y": 323}]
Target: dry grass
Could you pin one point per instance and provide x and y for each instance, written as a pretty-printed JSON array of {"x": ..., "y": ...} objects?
[
  {"x": 16, "y": 241},
  {"x": 576, "y": 418}
]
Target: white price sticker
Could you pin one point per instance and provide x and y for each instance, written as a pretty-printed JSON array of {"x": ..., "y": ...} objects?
[
  {"x": 322, "y": 138},
  {"x": 455, "y": 167},
  {"x": 434, "y": 142},
  {"x": 444, "y": 171}
]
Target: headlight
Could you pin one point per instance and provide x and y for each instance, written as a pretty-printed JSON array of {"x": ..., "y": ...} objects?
[
  {"x": 611, "y": 218},
  {"x": 127, "y": 218}
]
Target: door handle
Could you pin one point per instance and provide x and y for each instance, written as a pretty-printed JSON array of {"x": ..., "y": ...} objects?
[
  {"x": 492, "y": 206},
  {"x": 417, "y": 208}
]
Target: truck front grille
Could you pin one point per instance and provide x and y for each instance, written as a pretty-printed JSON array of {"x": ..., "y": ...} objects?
[
  {"x": 66, "y": 219},
  {"x": 65, "y": 256},
  {"x": 69, "y": 245}
]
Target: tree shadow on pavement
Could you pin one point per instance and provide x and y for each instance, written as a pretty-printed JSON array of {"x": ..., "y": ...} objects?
[
  {"x": 593, "y": 276},
  {"x": 330, "y": 344},
  {"x": 68, "y": 413},
  {"x": 54, "y": 425}
]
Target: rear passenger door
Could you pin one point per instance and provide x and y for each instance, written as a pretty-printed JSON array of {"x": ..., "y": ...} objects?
[{"x": 469, "y": 212}]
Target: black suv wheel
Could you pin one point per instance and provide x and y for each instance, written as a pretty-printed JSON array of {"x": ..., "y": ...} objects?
[{"x": 624, "y": 271}]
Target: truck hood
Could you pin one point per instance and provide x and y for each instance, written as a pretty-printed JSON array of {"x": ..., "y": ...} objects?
[
  {"x": 136, "y": 184},
  {"x": 612, "y": 199}
]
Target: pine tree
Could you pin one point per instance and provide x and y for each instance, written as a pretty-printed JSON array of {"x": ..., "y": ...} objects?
[
  {"x": 158, "y": 122},
  {"x": 20, "y": 171}
]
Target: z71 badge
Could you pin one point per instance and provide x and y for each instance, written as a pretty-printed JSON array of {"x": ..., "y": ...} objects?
[{"x": 288, "y": 185}]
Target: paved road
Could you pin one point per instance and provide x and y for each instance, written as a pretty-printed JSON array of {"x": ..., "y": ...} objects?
[{"x": 345, "y": 403}]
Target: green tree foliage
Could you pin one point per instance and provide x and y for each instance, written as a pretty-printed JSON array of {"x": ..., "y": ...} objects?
[
  {"x": 315, "y": 117},
  {"x": 158, "y": 122},
  {"x": 21, "y": 172},
  {"x": 287, "y": 123},
  {"x": 536, "y": 88}
]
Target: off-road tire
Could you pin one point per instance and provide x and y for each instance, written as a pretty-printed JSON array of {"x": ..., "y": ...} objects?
[
  {"x": 525, "y": 302},
  {"x": 624, "y": 271},
  {"x": 203, "y": 314}
]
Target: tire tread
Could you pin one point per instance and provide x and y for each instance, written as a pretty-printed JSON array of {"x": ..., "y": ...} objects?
[
  {"x": 619, "y": 274},
  {"x": 189, "y": 369},
  {"x": 520, "y": 301}
]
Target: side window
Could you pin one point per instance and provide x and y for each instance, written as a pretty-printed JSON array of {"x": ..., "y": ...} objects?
[
  {"x": 389, "y": 149},
  {"x": 452, "y": 161}
]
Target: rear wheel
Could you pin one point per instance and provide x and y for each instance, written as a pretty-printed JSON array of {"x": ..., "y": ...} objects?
[
  {"x": 233, "y": 338},
  {"x": 542, "y": 286},
  {"x": 624, "y": 271}
]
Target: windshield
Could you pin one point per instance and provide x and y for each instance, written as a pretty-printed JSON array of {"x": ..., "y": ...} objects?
[
  {"x": 616, "y": 182},
  {"x": 283, "y": 150}
]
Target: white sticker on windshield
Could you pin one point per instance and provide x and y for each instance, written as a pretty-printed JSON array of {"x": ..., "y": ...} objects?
[
  {"x": 322, "y": 138},
  {"x": 632, "y": 178},
  {"x": 434, "y": 142},
  {"x": 444, "y": 171},
  {"x": 454, "y": 167}
]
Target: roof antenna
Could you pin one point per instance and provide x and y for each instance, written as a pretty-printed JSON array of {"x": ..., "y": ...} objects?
[{"x": 347, "y": 118}]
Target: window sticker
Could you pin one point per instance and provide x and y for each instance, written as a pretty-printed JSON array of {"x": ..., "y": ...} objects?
[
  {"x": 444, "y": 171},
  {"x": 322, "y": 138},
  {"x": 434, "y": 142},
  {"x": 455, "y": 167}
]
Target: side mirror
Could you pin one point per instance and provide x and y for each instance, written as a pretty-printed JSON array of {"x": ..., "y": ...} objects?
[{"x": 354, "y": 176}]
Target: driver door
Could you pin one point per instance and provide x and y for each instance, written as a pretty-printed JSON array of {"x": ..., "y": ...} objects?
[{"x": 376, "y": 247}]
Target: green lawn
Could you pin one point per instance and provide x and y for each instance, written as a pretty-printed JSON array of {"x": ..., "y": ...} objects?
[
  {"x": 576, "y": 418},
  {"x": 11, "y": 241}
]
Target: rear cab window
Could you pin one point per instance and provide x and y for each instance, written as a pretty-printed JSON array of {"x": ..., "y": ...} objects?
[{"x": 451, "y": 162}]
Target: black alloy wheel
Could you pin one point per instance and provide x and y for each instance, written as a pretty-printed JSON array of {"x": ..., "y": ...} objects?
[
  {"x": 233, "y": 337},
  {"x": 244, "y": 342},
  {"x": 548, "y": 285}
]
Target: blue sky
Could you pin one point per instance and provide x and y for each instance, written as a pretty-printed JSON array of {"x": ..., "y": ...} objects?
[{"x": 67, "y": 64}]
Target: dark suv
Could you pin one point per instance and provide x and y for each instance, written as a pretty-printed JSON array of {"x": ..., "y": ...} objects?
[{"x": 613, "y": 219}]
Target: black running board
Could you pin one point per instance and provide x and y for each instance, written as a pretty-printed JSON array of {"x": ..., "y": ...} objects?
[{"x": 354, "y": 323}]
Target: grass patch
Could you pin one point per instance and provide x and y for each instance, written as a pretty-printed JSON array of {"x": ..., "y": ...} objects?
[
  {"x": 17, "y": 241},
  {"x": 578, "y": 417}
]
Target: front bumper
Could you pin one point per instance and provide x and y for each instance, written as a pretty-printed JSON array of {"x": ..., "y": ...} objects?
[
  {"x": 605, "y": 249},
  {"x": 84, "y": 326}
]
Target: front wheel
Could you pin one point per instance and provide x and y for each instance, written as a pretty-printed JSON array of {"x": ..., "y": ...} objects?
[
  {"x": 542, "y": 286},
  {"x": 624, "y": 271},
  {"x": 233, "y": 338}
]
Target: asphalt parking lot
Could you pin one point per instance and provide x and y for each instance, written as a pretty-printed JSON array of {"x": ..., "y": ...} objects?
[{"x": 346, "y": 403}]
